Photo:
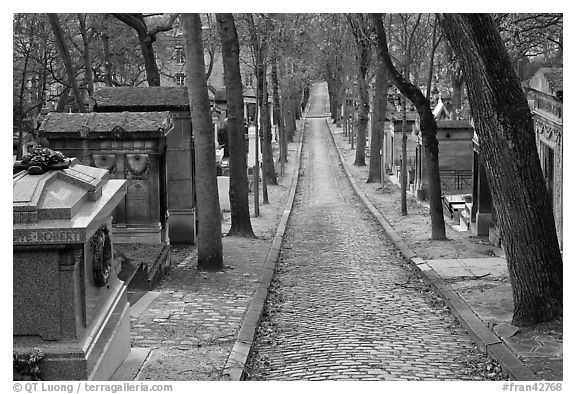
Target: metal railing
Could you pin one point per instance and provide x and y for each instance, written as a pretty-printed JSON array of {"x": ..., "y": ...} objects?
[{"x": 451, "y": 180}]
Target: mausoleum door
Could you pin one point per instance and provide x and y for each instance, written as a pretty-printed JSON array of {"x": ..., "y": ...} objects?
[{"x": 547, "y": 160}]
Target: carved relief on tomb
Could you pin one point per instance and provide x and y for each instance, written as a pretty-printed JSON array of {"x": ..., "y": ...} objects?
[
  {"x": 137, "y": 166},
  {"x": 101, "y": 247},
  {"x": 105, "y": 161},
  {"x": 549, "y": 132}
]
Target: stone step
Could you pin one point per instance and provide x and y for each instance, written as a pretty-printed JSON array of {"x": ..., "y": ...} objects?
[
  {"x": 149, "y": 270},
  {"x": 465, "y": 218}
]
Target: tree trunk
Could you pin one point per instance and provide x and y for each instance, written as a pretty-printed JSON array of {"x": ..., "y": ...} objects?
[
  {"x": 378, "y": 118},
  {"x": 298, "y": 106},
  {"x": 107, "y": 60},
  {"x": 267, "y": 157},
  {"x": 152, "y": 73},
  {"x": 63, "y": 48},
  {"x": 21, "y": 115},
  {"x": 42, "y": 91},
  {"x": 239, "y": 205},
  {"x": 277, "y": 110},
  {"x": 346, "y": 108},
  {"x": 503, "y": 122},
  {"x": 262, "y": 118},
  {"x": 260, "y": 50},
  {"x": 403, "y": 166},
  {"x": 435, "y": 44},
  {"x": 289, "y": 118},
  {"x": 275, "y": 91},
  {"x": 88, "y": 73},
  {"x": 256, "y": 172},
  {"x": 209, "y": 225},
  {"x": 333, "y": 98},
  {"x": 306, "y": 97},
  {"x": 428, "y": 129},
  {"x": 286, "y": 99},
  {"x": 283, "y": 108},
  {"x": 63, "y": 99},
  {"x": 146, "y": 40},
  {"x": 360, "y": 30},
  {"x": 293, "y": 105},
  {"x": 363, "y": 110},
  {"x": 266, "y": 128}
]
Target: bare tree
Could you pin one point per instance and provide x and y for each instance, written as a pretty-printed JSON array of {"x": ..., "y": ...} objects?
[
  {"x": 378, "y": 118},
  {"x": 63, "y": 48},
  {"x": 428, "y": 129},
  {"x": 146, "y": 38},
  {"x": 88, "y": 73},
  {"x": 23, "y": 46},
  {"x": 503, "y": 122},
  {"x": 277, "y": 111},
  {"x": 239, "y": 206},
  {"x": 209, "y": 222},
  {"x": 529, "y": 35},
  {"x": 360, "y": 26},
  {"x": 259, "y": 38}
]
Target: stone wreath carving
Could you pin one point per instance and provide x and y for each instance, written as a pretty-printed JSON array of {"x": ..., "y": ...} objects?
[
  {"x": 105, "y": 161},
  {"x": 137, "y": 165},
  {"x": 101, "y": 246}
]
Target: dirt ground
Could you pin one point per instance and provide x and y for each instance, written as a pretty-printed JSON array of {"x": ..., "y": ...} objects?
[{"x": 415, "y": 228}]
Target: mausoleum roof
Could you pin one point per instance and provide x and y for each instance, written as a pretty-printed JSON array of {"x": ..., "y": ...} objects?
[
  {"x": 141, "y": 98},
  {"x": 149, "y": 123},
  {"x": 453, "y": 124},
  {"x": 148, "y": 98},
  {"x": 411, "y": 116}
]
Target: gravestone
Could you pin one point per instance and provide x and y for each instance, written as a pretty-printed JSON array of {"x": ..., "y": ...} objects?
[
  {"x": 68, "y": 301},
  {"x": 224, "y": 192}
]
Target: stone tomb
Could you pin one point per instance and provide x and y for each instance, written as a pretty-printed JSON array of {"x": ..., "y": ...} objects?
[
  {"x": 131, "y": 146},
  {"x": 68, "y": 300},
  {"x": 392, "y": 142},
  {"x": 180, "y": 192},
  {"x": 455, "y": 158}
]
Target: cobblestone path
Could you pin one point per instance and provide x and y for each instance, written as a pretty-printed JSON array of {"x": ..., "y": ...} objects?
[{"x": 344, "y": 304}]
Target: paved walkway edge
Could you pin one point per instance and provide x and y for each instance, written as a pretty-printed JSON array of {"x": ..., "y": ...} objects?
[
  {"x": 234, "y": 368},
  {"x": 480, "y": 334},
  {"x": 143, "y": 303}
]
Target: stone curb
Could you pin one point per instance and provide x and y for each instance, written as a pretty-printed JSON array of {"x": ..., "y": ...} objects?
[
  {"x": 478, "y": 331},
  {"x": 234, "y": 368}
]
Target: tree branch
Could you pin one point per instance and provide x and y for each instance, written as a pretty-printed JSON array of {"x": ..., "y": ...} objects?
[
  {"x": 164, "y": 26},
  {"x": 135, "y": 21}
]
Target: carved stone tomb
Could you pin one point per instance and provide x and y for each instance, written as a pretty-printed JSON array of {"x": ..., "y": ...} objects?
[{"x": 68, "y": 300}]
